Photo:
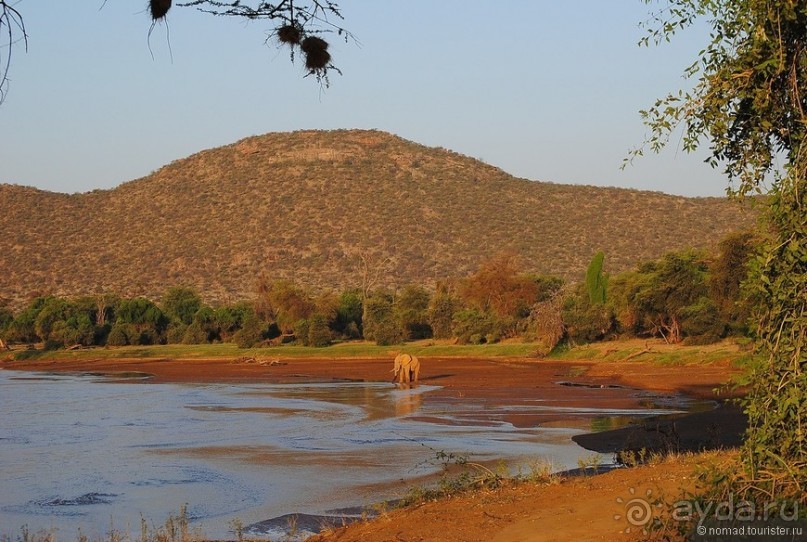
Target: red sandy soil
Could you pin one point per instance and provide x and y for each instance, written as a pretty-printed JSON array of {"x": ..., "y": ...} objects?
[
  {"x": 485, "y": 377},
  {"x": 572, "y": 510},
  {"x": 579, "y": 509}
]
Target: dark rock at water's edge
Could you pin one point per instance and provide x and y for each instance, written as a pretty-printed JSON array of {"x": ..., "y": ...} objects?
[
  {"x": 291, "y": 525},
  {"x": 722, "y": 427}
]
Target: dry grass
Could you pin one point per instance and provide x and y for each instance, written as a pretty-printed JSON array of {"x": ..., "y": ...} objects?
[{"x": 306, "y": 205}]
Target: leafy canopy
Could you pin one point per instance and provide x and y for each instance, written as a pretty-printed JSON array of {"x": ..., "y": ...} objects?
[{"x": 749, "y": 103}]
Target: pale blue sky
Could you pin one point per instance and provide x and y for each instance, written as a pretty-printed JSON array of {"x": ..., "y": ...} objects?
[{"x": 545, "y": 89}]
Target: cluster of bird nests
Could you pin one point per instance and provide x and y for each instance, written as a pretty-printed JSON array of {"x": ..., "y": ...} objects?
[{"x": 315, "y": 49}]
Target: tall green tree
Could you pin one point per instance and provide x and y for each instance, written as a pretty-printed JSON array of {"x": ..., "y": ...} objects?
[
  {"x": 749, "y": 105},
  {"x": 442, "y": 307},
  {"x": 596, "y": 280},
  {"x": 728, "y": 271},
  {"x": 181, "y": 304},
  {"x": 412, "y": 312},
  {"x": 670, "y": 296}
]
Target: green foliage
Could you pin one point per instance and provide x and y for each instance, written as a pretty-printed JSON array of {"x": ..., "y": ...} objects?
[
  {"x": 379, "y": 320},
  {"x": 596, "y": 280},
  {"x": 748, "y": 102},
  {"x": 348, "y": 314},
  {"x": 442, "y": 307},
  {"x": 472, "y": 326},
  {"x": 6, "y": 318},
  {"x": 586, "y": 322},
  {"x": 319, "y": 334},
  {"x": 181, "y": 304},
  {"x": 75, "y": 329},
  {"x": 285, "y": 303},
  {"x": 175, "y": 333},
  {"x": 120, "y": 335},
  {"x": 549, "y": 286},
  {"x": 53, "y": 309},
  {"x": 251, "y": 333},
  {"x": 728, "y": 271},
  {"x": 775, "y": 452},
  {"x": 666, "y": 292},
  {"x": 194, "y": 334},
  {"x": 141, "y": 313},
  {"x": 701, "y": 323},
  {"x": 412, "y": 312}
]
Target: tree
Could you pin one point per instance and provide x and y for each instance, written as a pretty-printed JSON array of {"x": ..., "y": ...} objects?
[
  {"x": 143, "y": 320},
  {"x": 348, "y": 314},
  {"x": 728, "y": 270},
  {"x": 284, "y": 303},
  {"x": 181, "y": 304},
  {"x": 442, "y": 307},
  {"x": 499, "y": 288},
  {"x": 379, "y": 320},
  {"x": 583, "y": 320},
  {"x": 750, "y": 103},
  {"x": 475, "y": 327},
  {"x": 670, "y": 296},
  {"x": 251, "y": 332},
  {"x": 596, "y": 280},
  {"x": 299, "y": 25},
  {"x": 319, "y": 334},
  {"x": 411, "y": 312},
  {"x": 6, "y": 319}
]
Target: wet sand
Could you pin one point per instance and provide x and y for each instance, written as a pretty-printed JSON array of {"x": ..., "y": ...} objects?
[
  {"x": 488, "y": 382},
  {"x": 476, "y": 379}
]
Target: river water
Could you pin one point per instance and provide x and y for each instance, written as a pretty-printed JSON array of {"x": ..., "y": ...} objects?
[{"x": 99, "y": 453}]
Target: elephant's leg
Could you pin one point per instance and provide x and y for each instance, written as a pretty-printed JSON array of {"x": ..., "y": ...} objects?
[{"x": 396, "y": 369}]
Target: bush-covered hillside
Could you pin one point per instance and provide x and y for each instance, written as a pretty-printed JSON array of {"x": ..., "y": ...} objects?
[{"x": 335, "y": 209}]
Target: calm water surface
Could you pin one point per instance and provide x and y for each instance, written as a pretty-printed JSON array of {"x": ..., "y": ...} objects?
[{"x": 95, "y": 453}]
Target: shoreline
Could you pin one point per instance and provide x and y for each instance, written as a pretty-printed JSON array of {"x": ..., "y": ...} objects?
[{"x": 476, "y": 379}]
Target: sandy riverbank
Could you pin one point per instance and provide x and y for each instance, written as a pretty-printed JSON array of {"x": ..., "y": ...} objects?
[{"x": 575, "y": 509}]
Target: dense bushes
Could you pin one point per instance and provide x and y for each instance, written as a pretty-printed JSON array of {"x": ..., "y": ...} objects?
[{"x": 682, "y": 296}]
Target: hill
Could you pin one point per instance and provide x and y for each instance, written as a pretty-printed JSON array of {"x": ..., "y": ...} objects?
[{"x": 323, "y": 208}]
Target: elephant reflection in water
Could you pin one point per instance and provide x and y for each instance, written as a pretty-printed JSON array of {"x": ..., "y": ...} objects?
[
  {"x": 406, "y": 369},
  {"x": 407, "y": 403}
]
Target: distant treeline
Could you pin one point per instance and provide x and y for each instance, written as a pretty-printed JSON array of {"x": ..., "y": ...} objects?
[{"x": 690, "y": 295}]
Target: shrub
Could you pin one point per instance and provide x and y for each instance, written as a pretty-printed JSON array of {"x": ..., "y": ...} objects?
[
  {"x": 387, "y": 332},
  {"x": 475, "y": 327},
  {"x": 319, "y": 334},
  {"x": 119, "y": 335},
  {"x": 175, "y": 333},
  {"x": 251, "y": 333},
  {"x": 181, "y": 304},
  {"x": 545, "y": 324},
  {"x": 441, "y": 314},
  {"x": 194, "y": 334},
  {"x": 379, "y": 323},
  {"x": 583, "y": 321},
  {"x": 301, "y": 331},
  {"x": 348, "y": 314},
  {"x": 411, "y": 312}
]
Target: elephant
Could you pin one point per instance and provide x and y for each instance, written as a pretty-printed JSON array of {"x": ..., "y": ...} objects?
[{"x": 406, "y": 369}]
